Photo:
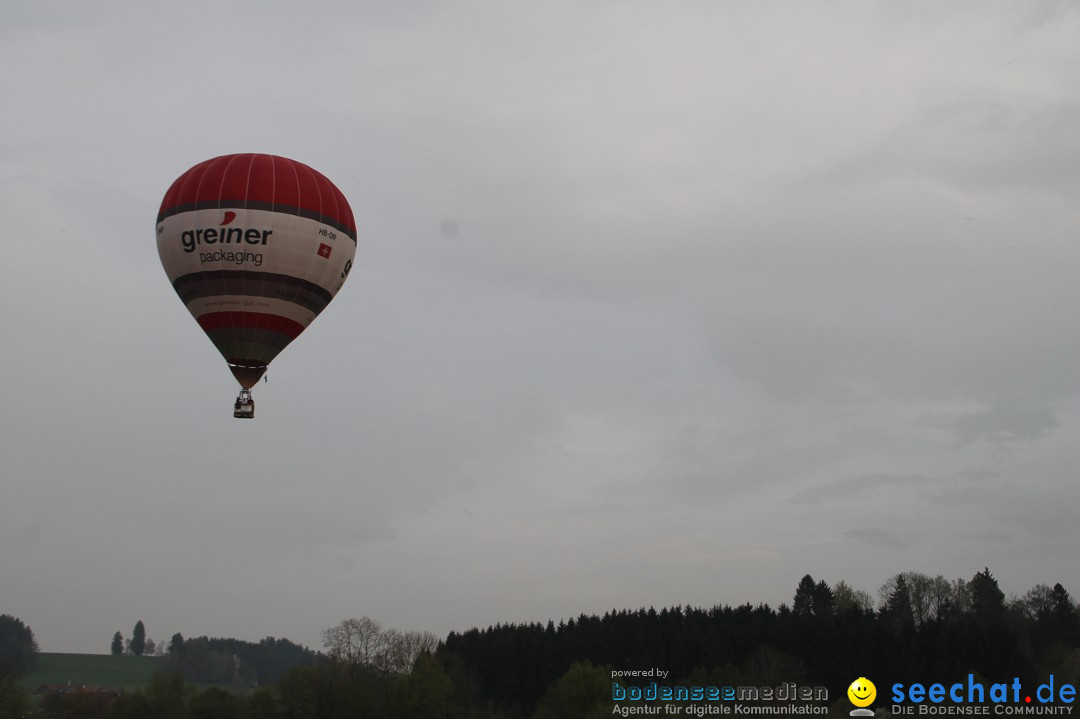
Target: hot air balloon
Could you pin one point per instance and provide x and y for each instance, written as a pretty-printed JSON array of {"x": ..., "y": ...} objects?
[{"x": 256, "y": 246}]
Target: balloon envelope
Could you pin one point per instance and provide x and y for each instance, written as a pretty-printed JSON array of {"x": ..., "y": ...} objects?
[{"x": 256, "y": 246}]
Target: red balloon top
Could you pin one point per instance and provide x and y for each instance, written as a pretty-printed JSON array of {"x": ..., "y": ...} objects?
[{"x": 259, "y": 182}]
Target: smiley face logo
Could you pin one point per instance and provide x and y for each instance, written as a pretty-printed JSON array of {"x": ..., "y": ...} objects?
[{"x": 862, "y": 692}]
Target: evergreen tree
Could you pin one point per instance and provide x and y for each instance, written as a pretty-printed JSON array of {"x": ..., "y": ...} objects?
[
  {"x": 897, "y": 612},
  {"x": 987, "y": 599},
  {"x": 18, "y": 648},
  {"x": 1064, "y": 620},
  {"x": 813, "y": 599},
  {"x": 117, "y": 646},
  {"x": 823, "y": 599},
  {"x": 138, "y": 639},
  {"x": 802, "y": 605}
]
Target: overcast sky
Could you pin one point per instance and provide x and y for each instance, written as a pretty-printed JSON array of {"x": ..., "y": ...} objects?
[{"x": 655, "y": 303}]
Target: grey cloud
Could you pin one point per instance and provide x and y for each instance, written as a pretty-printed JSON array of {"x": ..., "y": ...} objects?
[
  {"x": 860, "y": 488},
  {"x": 1002, "y": 424},
  {"x": 876, "y": 537},
  {"x": 986, "y": 141},
  {"x": 987, "y": 535}
]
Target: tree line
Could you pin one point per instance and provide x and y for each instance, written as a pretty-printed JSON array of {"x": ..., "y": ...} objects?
[
  {"x": 918, "y": 629},
  {"x": 921, "y": 629}
]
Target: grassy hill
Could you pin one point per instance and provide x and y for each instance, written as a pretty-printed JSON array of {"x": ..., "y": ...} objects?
[{"x": 119, "y": 672}]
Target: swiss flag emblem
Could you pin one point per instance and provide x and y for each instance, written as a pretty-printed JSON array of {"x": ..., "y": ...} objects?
[{"x": 324, "y": 250}]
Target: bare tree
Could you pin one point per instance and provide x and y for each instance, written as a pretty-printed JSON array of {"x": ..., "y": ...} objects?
[
  {"x": 941, "y": 596},
  {"x": 355, "y": 641},
  {"x": 403, "y": 648},
  {"x": 930, "y": 597},
  {"x": 364, "y": 642},
  {"x": 1037, "y": 604},
  {"x": 961, "y": 596}
]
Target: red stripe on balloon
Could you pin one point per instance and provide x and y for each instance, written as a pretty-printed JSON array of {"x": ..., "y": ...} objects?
[{"x": 250, "y": 320}]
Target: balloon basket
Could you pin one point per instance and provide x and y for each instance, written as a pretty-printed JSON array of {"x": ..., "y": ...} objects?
[{"x": 244, "y": 407}]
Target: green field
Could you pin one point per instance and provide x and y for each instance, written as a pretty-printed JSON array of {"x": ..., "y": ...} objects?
[{"x": 117, "y": 672}]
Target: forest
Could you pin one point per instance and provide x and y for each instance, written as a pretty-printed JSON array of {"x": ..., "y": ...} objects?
[{"x": 920, "y": 629}]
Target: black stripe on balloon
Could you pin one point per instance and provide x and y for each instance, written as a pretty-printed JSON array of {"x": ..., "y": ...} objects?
[
  {"x": 213, "y": 283},
  {"x": 224, "y": 339},
  {"x": 268, "y": 206}
]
